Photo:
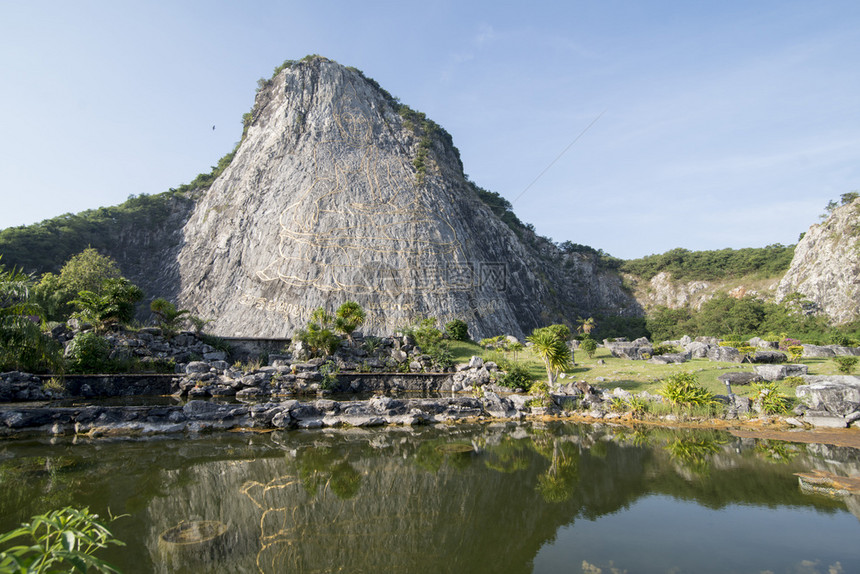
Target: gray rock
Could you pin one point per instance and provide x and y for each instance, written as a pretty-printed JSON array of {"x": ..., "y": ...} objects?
[
  {"x": 817, "y": 351},
  {"x": 824, "y": 266},
  {"x": 697, "y": 349},
  {"x": 632, "y": 351},
  {"x": 739, "y": 379},
  {"x": 670, "y": 358},
  {"x": 779, "y": 372},
  {"x": 837, "y": 395},
  {"x": 197, "y": 367},
  {"x": 725, "y": 354},
  {"x": 845, "y": 351},
  {"x": 769, "y": 357}
]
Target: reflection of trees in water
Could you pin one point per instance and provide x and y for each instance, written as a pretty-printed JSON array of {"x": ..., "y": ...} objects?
[
  {"x": 558, "y": 482},
  {"x": 693, "y": 453},
  {"x": 327, "y": 468},
  {"x": 776, "y": 451}
]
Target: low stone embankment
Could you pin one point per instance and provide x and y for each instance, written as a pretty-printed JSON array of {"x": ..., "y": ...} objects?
[{"x": 200, "y": 416}]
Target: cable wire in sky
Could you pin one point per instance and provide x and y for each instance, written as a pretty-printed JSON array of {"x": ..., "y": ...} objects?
[{"x": 564, "y": 151}]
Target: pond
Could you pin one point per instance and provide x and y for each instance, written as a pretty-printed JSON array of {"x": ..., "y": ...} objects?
[{"x": 501, "y": 498}]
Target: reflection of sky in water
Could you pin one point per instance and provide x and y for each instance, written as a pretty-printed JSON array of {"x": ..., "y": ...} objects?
[{"x": 662, "y": 534}]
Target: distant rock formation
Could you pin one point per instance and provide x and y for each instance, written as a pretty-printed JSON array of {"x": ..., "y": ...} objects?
[
  {"x": 335, "y": 195},
  {"x": 826, "y": 265}
]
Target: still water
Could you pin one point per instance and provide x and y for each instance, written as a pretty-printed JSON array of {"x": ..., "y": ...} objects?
[{"x": 484, "y": 498}]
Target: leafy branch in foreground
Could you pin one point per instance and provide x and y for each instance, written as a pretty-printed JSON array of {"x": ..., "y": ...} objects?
[{"x": 62, "y": 540}]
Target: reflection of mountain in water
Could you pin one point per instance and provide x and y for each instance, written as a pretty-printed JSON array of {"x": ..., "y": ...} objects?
[
  {"x": 464, "y": 499},
  {"x": 383, "y": 501}
]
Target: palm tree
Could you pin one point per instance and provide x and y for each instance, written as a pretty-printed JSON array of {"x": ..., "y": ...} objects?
[
  {"x": 22, "y": 343},
  {"x": 587, "y": 325},
  {"x": 349, "y": 317},
  {"x": 553, "y": 350}
]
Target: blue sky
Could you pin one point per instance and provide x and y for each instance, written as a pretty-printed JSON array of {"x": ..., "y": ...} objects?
[{"x": 724, "y": 124}]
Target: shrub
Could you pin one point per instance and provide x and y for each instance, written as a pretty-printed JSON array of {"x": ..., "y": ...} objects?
[
  {"x": 516, "y": 376},
  {"x": 168, "y": 316},
  {"x": 329, "y": 371},
  {"x": 772, "y": 401},
  {"x": 318, "y": 335},
  {"x": 795, "y": 353},
  {"x": 589, "y": 346},
  {"x": 61, "y": 540},
  {"x": 663, "y": 350},
  {"x": 683, "y": 389},
  {"x": 88, "y": 353},
  {"x": 457, "y": 330},
  {"x": 846, "y": 364}
]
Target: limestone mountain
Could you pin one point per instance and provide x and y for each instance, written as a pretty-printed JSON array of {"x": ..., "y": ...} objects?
[
  {"x": 826, "y": 265},
  {"x": 337, "y": 192}
]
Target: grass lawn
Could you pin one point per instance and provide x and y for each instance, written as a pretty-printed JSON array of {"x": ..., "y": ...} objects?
[{"x": 633, "y": 376}]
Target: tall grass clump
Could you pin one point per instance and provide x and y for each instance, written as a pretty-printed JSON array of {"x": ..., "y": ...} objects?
[{"x": 684, "y": 391}]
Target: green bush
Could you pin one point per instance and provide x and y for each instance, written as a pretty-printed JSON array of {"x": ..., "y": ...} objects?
[
  {"x": 845, "y": 364},
  {"x": 457, "y": 330},
  {"x": 589, "y": 346},
  {"x": 88, "y": 353},
  {"x": 663, "y": 350},
  {"x": 516, "y": 376}
]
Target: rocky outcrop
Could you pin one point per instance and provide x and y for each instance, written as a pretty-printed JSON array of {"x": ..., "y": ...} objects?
[
  {"x": 826, "y": 265},
  {"x": 339, "y": 193},
  {"x": 830, "y": 401}
]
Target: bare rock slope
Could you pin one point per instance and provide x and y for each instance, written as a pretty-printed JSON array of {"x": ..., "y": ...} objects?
[
  {"x": 336, "y": 194},
  {"x": 826, "y": 265}
]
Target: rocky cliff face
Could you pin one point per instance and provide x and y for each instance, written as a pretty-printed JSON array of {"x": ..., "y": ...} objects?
[
  {"x": 333, "y": 195},
  {"x": 826, "y": 265}
]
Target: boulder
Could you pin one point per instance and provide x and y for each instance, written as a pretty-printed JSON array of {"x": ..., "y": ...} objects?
[
  {"x": 845, "y": 351},
  {"x": 197, "y": 367},
  {"x": 817, "y": 351},
  {"x": 739, "y": 379},
  {"x": 779, "y": 372},
  {"x": 670, "y": 358},
  {"x": 697, "y": 349},
  {"x": 725, "y": 354},
  {"x": 835, "y": 394},
  {"x": 769, "y": 357},
  {"x": 632, "y": 351}
]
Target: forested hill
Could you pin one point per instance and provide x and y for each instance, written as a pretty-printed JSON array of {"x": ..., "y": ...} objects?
[
  {"x": 45, "y": 246},
  {"x": 684, "y": 265}
]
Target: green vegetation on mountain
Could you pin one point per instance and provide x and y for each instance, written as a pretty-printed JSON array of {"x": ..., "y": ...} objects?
[{"x": 686, "y": 265}]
